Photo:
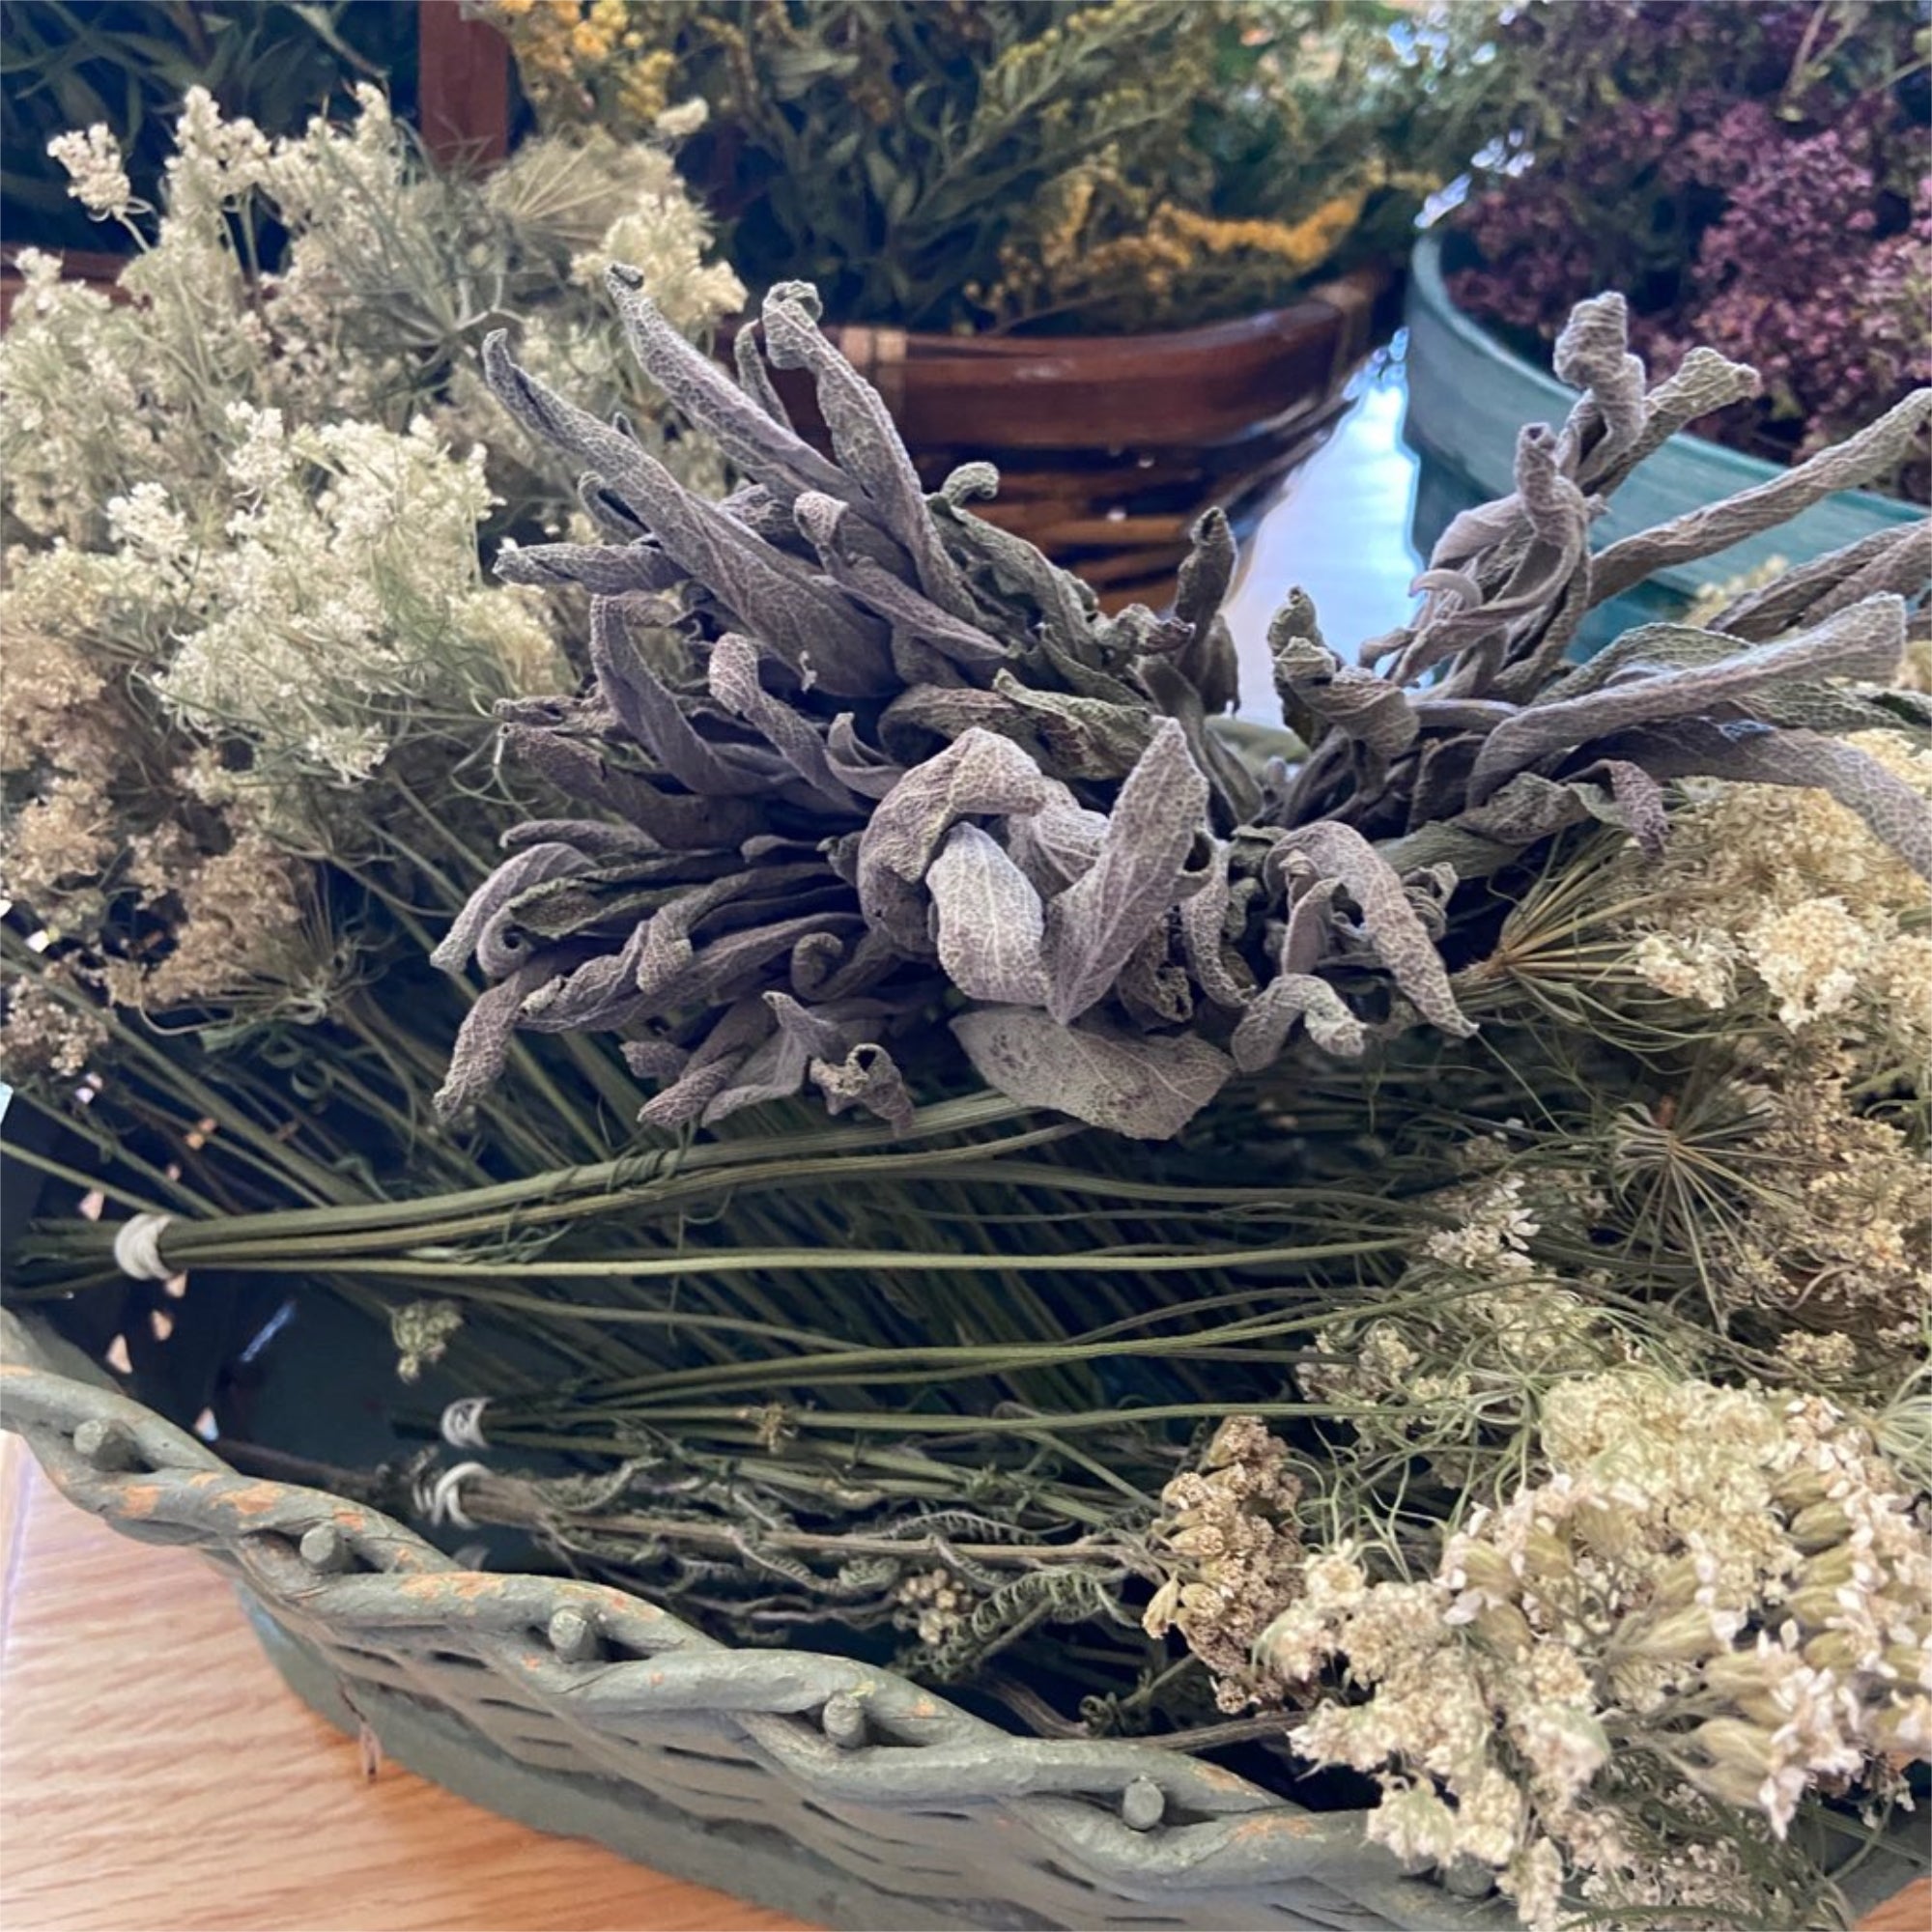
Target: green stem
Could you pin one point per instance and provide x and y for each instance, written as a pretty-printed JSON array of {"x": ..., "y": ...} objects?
[
  {"x": 619, "y": 1178},
  {"x": 736, "y": 1261}
]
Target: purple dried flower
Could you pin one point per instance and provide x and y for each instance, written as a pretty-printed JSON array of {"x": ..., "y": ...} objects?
[{"x": 1751, "y": 179}]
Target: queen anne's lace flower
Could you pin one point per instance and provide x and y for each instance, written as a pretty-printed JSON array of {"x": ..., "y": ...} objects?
[
  {"x": 1809, "y": 956},
  {"x": 43, "y": 1033},
  {"x": 1786, "y": 895},
  {"x": 1688, "y": 966}
]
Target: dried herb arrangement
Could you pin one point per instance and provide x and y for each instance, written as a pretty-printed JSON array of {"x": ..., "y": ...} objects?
[
  {"x": 121, "y": 61},
  {"x": 1396, "y": 1244},
  {"x": 997, "y": 164},
  {"x": 878, "y": 753},
  {"x": 250, "y": 645}
]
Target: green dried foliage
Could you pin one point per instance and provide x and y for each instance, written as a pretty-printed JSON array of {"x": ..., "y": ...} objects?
[
  {"x": 875, "y": 763},
  {"x": 77, "y": 63},
  {"x": 1006, "y": 163}
]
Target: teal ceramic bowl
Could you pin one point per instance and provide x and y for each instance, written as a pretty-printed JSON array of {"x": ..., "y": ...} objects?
[{"x": 1467, "y": 397}]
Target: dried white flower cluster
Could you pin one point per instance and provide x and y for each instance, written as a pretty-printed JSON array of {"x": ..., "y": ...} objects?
[
  {"x": 1487, "y": 1327},
  {"x": 422, "y": 1333},
  {"x": 47, "y": 1033},
  {"x": 1719, "y": 1593},
  {"x": 1789, "y": 1154},
  {"x": 99, "y": 180},
  {"x": 1785, "y": 896},
  {"x": 388, "y": 275},
  {"x": 245, "y": 513},
  {"x": 348, "y": 590},
  {"x": 932, "y": 1604},
  {"x": 1841, "y": 1236},
  {"x": 106, "y": 829}
]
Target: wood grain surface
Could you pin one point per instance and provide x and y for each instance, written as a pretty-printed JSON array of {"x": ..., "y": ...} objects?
[{"x": 155, "y": 1776}]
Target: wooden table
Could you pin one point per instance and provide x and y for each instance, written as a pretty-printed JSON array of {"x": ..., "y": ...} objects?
[{"x": 155, "y": 1776}]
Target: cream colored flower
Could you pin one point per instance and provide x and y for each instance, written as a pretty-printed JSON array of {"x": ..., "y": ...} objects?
[
  {"x": 100, "y": 178},
  {"x": 1731, "y": 1581},
  {"x": 685, "y": 119}
]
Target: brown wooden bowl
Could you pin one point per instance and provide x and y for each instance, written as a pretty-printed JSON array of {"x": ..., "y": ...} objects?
[{"x": 1110, "y": 446}]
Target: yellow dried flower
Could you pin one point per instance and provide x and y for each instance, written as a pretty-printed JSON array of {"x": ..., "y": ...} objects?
[
  {"x": 1051, "y": 159},
  {"x": 1299, "y": 246}
]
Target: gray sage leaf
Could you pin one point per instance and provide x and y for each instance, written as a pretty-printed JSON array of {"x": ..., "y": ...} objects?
[
  {"x": 1866, "y": 640},
  {"x": 1096, "y": 923},
  {"x": 1272, "y": 1015},
  {"x": 977, "y": 776},
  {"x": 1389, "y": 921},
  {"x": 498, "y": 895},
  {"x": 867, "y": 1078},
  {"x": 988, "y": 920},
  {"x": 1146, "y": 1087}
]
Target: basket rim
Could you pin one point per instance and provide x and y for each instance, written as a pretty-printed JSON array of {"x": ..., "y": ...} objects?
[
  {"x": 1428, "y": 290},
  {"x": 1314, "y": 309}
]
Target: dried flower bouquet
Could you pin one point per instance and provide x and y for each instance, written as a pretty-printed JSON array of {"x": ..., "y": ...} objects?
[
  {"x": 250, "y": 647},
  {"x": 1012, "y": 164},
  {"x": 1395, "y": 1245}
]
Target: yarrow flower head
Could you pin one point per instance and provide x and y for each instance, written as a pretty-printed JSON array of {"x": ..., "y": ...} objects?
[
  {"x": 1229, "y": 1529},
  {"x": 1731, "y": 1579}
]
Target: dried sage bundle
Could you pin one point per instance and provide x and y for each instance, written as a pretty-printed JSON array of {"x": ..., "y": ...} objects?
[{"x": 857, "y": 765}]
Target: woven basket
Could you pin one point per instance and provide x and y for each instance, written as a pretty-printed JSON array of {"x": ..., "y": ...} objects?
[
  {"x": 1109, "y": 448},
  {"x": 810, "y": 1783}
]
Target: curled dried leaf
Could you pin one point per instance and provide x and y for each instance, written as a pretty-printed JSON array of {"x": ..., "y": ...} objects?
[
  {"x": 1865, "y": 640},
  {"x": 867, "y": 1077},
  {"x": 1875, "y": 450},
  {"x": 977, "y": 775},
  {"x": 1390, "y": 924},
  {"x": 496, "y": 899},
  {"x": 1272, "y": 1014}
]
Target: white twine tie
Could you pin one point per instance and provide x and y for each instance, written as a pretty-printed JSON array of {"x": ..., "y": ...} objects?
[
  {"x": 138, "y": 1248},
  {"x": 463, "y": 1422},
  {"x": 440, "y": 1498}
]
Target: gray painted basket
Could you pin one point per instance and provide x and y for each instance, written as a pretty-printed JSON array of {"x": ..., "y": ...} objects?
[{"x": 813, "y": 1785}]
